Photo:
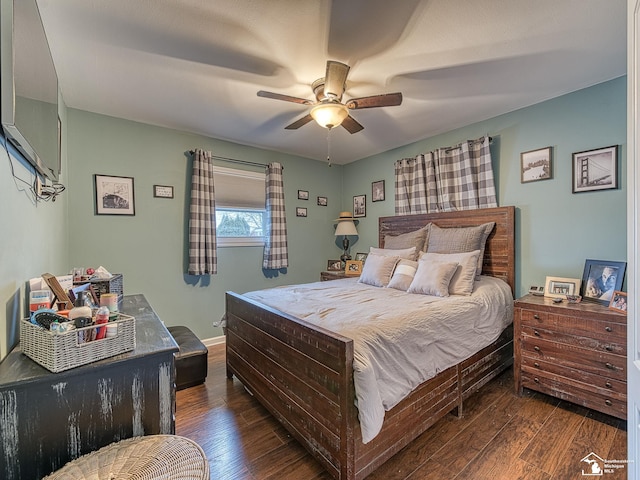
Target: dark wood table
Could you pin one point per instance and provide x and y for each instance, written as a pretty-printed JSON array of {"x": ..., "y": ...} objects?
[{"x": 48, "y": 419}]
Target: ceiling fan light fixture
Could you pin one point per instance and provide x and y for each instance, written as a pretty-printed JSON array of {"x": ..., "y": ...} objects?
[{"x": 329, "y": 115}]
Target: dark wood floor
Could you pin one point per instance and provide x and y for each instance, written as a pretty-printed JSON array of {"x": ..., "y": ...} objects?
[{"x": 501, "y": 437}]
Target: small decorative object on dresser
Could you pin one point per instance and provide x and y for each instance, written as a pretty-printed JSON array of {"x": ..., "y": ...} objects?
[
  {"x": 361, "y": 256},
  {"x": 600, "y": 279},
  {"x": 353, "y": 268},
  {"x": 334, "y": 265},
  {"x": 556, "y": 287},
  {"x": 619, "y": 302},
  {"x": 573, "y": 351}
]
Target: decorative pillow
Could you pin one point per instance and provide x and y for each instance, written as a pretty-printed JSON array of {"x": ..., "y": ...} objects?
[
  {"x": 406, "y": 253},
  {"x": 377, "y": 270},
  {"x": 433, "y": 278},
  {"x": 465, "y": 275},
  {"x": 416, "y": 239},
  {"x": 460, "y": 239},
  {"x": 403, "y": 275}
]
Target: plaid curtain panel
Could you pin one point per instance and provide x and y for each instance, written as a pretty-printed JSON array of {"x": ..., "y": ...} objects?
[
  {"x": 456, "y": 178},
  {"x": 202, "y": 217},
  {"x": 276, "y": 253}
]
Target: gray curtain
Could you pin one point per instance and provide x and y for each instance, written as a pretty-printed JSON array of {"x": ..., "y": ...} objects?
[
  {"x": 276, "y": 253},
  {"x": 202, "y": 217},
  {"x": 447, "y": 179}
]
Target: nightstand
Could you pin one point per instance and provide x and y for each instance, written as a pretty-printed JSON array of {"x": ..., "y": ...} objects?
[
  {"x": 573, "y": 351},
  {"x": 326, "y": 275}
]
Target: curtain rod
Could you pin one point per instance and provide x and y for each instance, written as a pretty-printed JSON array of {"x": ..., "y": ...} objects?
[{"x": 234, "y": 160}]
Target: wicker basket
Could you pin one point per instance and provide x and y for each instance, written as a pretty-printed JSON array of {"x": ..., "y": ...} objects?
[
  {"x": 61, "y": 351},
  {"x": 155, "y": 457}
]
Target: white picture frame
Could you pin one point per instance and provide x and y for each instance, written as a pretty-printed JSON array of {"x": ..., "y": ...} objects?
[{"x": 560, "y": 287}]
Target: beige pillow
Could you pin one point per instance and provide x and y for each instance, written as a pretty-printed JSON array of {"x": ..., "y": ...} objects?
[
  {"x": 406, "y": 253},
  {"x": 417, "y": 238},
  {"x": 433, "y": 278},
  {"x": 403, "y": 275},
  {"x": 378, "y": 269},
  {"x": 465, "y": 275},
  {"x": 460, "y": 239}
]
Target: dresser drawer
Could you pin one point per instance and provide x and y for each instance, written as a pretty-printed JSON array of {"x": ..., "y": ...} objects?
[
  {"x": 560, "y": 388},
  {"x": 590, "y": 361},
  {"x": 601, "y": 344},
  {"x": 607, "y": 386},
  {"x": 583, "y": 326}
]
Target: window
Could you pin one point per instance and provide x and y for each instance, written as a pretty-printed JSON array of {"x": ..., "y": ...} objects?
[{"x": 240, "y": 207}]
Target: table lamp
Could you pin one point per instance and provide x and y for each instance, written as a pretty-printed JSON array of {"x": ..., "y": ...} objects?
[{"x": 345, "y": 227}]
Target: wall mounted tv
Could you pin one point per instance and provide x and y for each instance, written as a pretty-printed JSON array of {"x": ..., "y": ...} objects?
[{"x": 28, "y": 87}]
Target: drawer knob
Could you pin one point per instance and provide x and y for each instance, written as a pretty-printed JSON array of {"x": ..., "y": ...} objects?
[
  {"x": 610, "y": 366},
  {"x": 608, "y": 385},
  {"x": 537, "y": 365},
  {"x": 609, "y": 348},
  {"x": 536, "y": 316},
  {"x": 536, "y": 348},
  {"x": 608, "y": 403},
  {"x": 536, "y": 379},
  {"x": 536, "y": 333},
  {"x": 608, "y": 329}
]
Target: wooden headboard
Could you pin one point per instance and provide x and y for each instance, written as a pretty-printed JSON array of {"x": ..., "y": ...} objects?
[{"x": 499, "y": 254}]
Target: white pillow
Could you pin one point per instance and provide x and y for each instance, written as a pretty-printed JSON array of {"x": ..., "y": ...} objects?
[
  {"x": 403, "y": 275},
  {"x": 406, "y": 253},
  {"x": 465, "y": 275},
  {"x": 433, "y": 278},
  {"x": 377, "y": 270}
]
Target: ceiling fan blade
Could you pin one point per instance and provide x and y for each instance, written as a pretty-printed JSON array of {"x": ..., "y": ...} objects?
[
  {"x": 384, "y": 100},
  {"x": 335, "y": 78},
  {"x": 286, "y": 98},
  {"x": 350, "y": 125},
  {"x": 299, "y": 123}
]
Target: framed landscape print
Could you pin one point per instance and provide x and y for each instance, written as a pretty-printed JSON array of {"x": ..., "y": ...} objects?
[
  {"x": 595, "y": 169},
  {"x": 535, "y": 165}
]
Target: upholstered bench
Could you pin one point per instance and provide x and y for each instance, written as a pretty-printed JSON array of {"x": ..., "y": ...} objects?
[
  {"x": 191, "y": 359},
  {"x": 143, "y": 458}
]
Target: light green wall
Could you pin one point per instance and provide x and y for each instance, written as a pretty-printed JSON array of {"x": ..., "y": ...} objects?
[
  {"x": 149, "y": 248},
  {"x": 556, "y": 230},
  {"x": 33, "y": 239}
]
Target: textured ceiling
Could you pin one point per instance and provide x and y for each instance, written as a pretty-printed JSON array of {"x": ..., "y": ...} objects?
[{"x": 196, "y": 65}]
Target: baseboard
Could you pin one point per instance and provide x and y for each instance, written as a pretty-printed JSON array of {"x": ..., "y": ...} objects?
[{"x": 210, "y": 342}]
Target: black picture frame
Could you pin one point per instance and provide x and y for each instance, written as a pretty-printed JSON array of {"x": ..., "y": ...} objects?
[
  {"x": 163, "y": 191},
  {"x": 114, "y": 195},
  {"x": 377, "y": 191},
  {"x": 595, "y": 170},
  {"x": 301, "y": 211},
  {"x": 359, "y": 206},
  {"x": 600, "y": 279},
  {"x": 303, "y": 194},
  {"x": 322, "y": 201},
  {"x": 536, "y": 165}
]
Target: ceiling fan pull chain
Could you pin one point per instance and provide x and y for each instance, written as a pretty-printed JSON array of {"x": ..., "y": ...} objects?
[{"x": 329, "y": 146}]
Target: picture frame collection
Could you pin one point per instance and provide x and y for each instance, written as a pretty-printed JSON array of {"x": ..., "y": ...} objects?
[{"x": 592, "y": 170}]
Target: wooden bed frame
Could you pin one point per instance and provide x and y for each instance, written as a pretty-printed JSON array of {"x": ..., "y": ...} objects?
[{"x": 304, "y": 374}]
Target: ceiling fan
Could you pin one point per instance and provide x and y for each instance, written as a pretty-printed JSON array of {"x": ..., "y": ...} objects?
[{"x": 328, "y": 110}]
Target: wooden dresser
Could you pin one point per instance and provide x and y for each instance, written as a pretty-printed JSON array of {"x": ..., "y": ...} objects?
[{"x": 576, "y": 352}]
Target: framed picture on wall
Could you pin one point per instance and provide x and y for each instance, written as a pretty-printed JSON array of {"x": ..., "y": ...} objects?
[
  {"x": 322, "y": 201},
  {"x": 301, "y": 212},
  {"x": 595, "y": 169},
  {"x": 359, "y": 206},
  {"x": 114, "y": 195},
  {"x": 377, "y": 191},
  {"x": 535, "y": 165}
]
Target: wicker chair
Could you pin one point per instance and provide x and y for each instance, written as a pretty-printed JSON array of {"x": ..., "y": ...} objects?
[{"x": 169, "y": 457}]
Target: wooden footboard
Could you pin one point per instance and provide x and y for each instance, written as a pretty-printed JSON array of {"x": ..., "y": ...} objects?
[{"x": 304, "y": 376}]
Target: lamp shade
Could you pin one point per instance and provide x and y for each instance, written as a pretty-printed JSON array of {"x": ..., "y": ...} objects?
[
  {"x": 346, "y": 227},
  {"x": 329, "y": 115}
]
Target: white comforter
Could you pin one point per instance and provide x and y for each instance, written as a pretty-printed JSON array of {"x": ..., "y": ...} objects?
[{"x": 400, "y": 339}]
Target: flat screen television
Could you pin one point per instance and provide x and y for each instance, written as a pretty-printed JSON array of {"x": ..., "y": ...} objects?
[{"x": 29, "y": 87}]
